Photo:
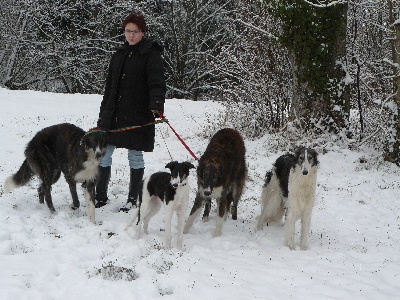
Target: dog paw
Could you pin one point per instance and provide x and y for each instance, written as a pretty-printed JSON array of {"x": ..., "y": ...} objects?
[
  {"x": 73, "y": 207},
  {"x": 217, "y": 233},
  {"x": 186, "y": 229},
  {"x": 303, "y": 247},
  {"x": 290, "y": 244}
]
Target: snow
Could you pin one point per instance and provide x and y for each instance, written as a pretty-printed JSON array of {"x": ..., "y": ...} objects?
[{"x": 353, "y": 245}]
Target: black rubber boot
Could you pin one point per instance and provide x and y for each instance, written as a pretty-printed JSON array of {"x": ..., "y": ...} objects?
[
  {"x": 136, "y": 179},
  {"x": 102, "y": 186}
]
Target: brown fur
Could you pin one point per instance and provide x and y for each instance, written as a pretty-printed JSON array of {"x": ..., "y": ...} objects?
[{"x": 221, "y": 174}]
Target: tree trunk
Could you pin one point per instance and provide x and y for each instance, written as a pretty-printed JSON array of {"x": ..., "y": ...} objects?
[
  {"x": 317, "y": 47},
  {"x": 12, "y": 60},
  {"x": 393, "y": 145},
  {"x": 340, "y": 98}
]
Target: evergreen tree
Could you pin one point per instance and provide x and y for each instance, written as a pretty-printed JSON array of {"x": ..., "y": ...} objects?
[{"x": 315, "y": 36}]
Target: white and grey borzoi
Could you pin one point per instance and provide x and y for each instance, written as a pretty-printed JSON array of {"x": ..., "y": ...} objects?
[
  {"x": 172, "y": 189},
  {"x": 291, "y": 186}
]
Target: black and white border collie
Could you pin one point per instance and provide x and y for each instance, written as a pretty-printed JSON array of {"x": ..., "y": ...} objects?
[
  {"x": 291, "y": 185},
  {"x": 62, "y": 148},
  {"x": 172, "y": 189}
]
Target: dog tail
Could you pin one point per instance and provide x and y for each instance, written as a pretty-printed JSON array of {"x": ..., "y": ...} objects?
[{"x": 22, "y": 177}]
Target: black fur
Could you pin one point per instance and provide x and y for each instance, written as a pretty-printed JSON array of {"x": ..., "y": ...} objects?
[
  {"x": 159, "y": 185},
  {"x": 61, "y": 148}
]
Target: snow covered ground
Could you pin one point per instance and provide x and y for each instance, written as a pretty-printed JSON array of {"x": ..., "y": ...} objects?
[{"x": 353, "y": 245}]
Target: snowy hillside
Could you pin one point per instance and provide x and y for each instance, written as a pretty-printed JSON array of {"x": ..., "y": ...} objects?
[{"x": 353, "y": 245}]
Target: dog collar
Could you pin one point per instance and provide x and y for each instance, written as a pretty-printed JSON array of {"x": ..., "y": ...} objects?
[{"x": 181, "y": 185}]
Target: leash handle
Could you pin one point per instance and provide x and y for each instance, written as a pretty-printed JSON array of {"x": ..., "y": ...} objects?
[{"x": 162, "y": 117}]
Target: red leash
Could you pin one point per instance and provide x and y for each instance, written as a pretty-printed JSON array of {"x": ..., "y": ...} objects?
[
  {"x": 163, "y": 120},
  {"x": 162, "y": 117}
]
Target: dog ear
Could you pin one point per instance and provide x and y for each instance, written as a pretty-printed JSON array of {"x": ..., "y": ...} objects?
[
  {"x": 84, "y": 141},
  {"x": 314, "y": 154},
  {"x": 220, "y": 170},
  {"x": 298, "y": 150},
  {"x": 171, "y": 165},
  {"x": 189, "y": 165},
  {"x": 200, "y": 168}
]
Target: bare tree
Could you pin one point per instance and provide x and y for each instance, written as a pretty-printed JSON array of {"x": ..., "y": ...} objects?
[
  {"x": 196, "y": 31},
  {"x": 59, "y": 45},
  {"x": 255, "y": 73}
]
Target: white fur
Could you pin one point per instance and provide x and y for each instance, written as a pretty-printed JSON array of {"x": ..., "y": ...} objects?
[
  {"x": 9, "y": 185},
  {"x": 190, "y": 220},
  {"x": 216, "y": 194},
  {"x": 271, "y": 197},
  {"x": 151, "y": 205},
  {"x": 91, "y": 208},
  {"x": 218, "y": 227},
  {"x": 299, "y": 203},
  {"x": 91, "y": 168}
]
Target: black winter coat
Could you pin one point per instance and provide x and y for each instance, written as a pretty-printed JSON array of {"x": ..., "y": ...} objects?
[{"x": 135, "y": 85}]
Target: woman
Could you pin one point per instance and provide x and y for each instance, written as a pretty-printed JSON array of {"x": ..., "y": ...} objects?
[{"x": 134, "y": 95}]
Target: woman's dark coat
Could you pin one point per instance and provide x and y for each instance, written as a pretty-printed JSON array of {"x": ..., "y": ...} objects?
[{"x": 135, "y": 85}]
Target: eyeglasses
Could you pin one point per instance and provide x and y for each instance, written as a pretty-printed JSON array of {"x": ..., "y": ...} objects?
[{"x": 127, "y": 31}]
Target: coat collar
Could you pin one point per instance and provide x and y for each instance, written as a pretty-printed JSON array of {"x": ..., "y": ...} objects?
[{"x": 143, "y": 46}]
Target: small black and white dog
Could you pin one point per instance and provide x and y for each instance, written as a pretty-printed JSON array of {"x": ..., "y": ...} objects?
[
  {"x": 172, "y": 189},
  {"x": 291, "y": 185},
  {"x": 62, "y": 148}
]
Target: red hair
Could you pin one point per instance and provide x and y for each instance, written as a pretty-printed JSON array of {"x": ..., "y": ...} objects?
[{"x": 136, "y": 18}]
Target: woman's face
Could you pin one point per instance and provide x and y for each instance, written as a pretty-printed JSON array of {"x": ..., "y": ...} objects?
[{"x": 133, "y": 34}]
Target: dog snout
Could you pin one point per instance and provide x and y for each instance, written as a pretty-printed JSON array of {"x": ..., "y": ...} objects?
[
  {"x": 207, "y": 193},
  {"x": 98, "y": 155},
  {"x": 305, "y": 172},
  {"x": 175, "y": 185}
]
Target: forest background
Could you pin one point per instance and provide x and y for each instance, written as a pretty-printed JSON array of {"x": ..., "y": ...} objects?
[{"x": 297, "y": 68}]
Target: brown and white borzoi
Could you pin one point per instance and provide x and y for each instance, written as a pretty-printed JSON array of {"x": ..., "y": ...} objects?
[
  {"x": 172, "y": 189},
  {"x": 62, "y": 148},
  {"x": 221, "y": 174},
  {"x": 291, "y": 185}
]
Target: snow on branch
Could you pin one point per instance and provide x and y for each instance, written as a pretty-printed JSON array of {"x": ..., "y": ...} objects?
[
  {"x": 321, "y": 4},
  {"x": 257, "y": 28}
]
